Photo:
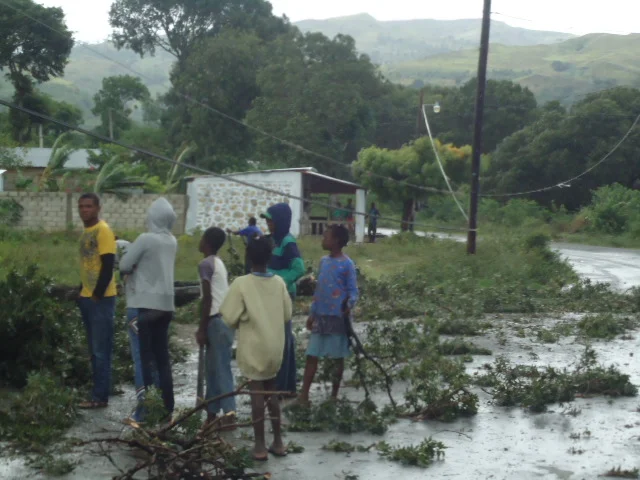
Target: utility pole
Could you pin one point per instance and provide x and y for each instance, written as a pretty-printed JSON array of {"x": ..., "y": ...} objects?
[
  {"x": 477, "y": 131},
  {"x": 111, "y": 123}
]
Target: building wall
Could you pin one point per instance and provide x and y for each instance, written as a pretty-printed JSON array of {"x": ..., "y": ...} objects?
[
  {"x": 217, "y": 202},
  {"x": 12, "y": 176},
  {"x": 52, "y": 211}
]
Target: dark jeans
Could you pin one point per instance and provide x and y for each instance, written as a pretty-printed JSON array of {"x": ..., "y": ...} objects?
[
  {"x": 98, "y": 318},
  {"x": 153, "y": 334},
  {"x": 373, "y": 230},
  {"x": 287, "y": 376}
]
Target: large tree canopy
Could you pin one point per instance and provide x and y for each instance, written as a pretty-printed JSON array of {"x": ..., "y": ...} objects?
[
  {"x": 177, "y": 26},
  {"x": 221, "y": 74},
  {"x": 114, "y": 101},
  {"x": 559, "y": 146},
  {"x": 31, "y": 50},
  {"x": 413, "y": 164},
  {"x": 317, "y": 93},
  {"x": 508, "y": 108}
]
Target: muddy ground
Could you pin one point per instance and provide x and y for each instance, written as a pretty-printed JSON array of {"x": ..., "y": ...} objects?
[{"x": 577, "y": 441}]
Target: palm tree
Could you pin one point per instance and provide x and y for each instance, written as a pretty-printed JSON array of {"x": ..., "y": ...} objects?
[
  {"x": 171, "y": 184},
  {"x": 114, "y": 177},
  {"x": 60, "y": 153}
]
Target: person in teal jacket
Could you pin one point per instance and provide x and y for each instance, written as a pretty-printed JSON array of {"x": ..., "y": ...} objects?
[{"x": 287, "y": 263}]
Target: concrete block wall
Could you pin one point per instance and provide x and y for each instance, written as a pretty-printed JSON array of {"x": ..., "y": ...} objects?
[{"x": 53, "y": 211}]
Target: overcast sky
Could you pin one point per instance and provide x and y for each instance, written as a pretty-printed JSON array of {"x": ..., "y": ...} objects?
[{"x": 89, "y": 18}]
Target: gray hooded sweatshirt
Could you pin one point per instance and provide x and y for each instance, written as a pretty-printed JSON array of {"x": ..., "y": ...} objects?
[{"x": 150, "y": 262}]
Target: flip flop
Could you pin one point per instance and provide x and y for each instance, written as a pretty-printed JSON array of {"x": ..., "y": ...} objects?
[
  {"x": 261, "y": 459},
  {"x": 278, "y": 454}
]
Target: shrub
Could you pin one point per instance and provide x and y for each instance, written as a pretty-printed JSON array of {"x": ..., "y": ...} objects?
[{"x": 614, "y": 209}]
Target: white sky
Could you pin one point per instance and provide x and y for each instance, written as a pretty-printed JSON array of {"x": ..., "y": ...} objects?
[{"x": 89, "y": 18}]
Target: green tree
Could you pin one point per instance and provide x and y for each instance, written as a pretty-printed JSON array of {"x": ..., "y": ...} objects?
[
  {"x": 220, "y": 73},
  {"x": 558, "y": 147},
  {"x": 508, "y": 108},
  {"x": 177, "y": 26},
  {"x": 115, "y": 100},
  {"x": 317, "y": 93},
  {"x": 55, "y": 170},
  {"x": 413, "y": 164},
  {"x": 32, "y": 50}
]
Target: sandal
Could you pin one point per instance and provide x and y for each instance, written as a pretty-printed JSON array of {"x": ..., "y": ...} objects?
[
  {"x": 92, "y": 405},
  {"x": 260, "y": 459}
]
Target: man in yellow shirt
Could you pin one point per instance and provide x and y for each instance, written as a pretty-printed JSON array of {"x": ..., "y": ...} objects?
[{"x": 98, "y": 296}]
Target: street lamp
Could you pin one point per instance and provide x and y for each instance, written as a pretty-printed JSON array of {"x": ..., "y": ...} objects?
[{"x": 436, "y": 106}]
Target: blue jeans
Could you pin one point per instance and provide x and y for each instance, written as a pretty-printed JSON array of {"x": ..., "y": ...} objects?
[
  {"x": 134, "y": 343},
  {"x": 218, "y": 366},
  {"x": 98, "y": 318}
]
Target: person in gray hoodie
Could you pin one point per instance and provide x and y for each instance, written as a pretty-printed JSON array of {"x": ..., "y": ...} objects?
[{"x": 150, "y": 263}]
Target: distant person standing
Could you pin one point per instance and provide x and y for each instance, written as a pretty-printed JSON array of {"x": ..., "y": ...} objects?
[
  {"x": 97, "y": 300},
  {"x": 248, "y": 233},
  {"x": 349, "y": 212},
  {"x": 149, "y": 263},
  {"x": 374, "y": 213}
]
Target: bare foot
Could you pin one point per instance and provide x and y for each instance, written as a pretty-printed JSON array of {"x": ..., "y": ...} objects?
[
  {"x": 260, "y": 454},
  {"x": 278, "y": 449}
]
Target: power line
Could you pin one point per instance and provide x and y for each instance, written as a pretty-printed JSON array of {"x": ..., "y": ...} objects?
[
  {"x": 567, "y": 183},
  {"x": 230, "y": 178},
  {"x": 444, "y": 175},
  {"x": 292, "y": 145}
]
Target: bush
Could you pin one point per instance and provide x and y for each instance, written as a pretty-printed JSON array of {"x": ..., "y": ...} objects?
[
  {"x": 40, "y": 414},
  {"x": 37, "y": 332},
  {"x": 614, "y": 210}
]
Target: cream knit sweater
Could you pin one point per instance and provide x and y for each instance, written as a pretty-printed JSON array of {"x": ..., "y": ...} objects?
[{"x": 258, "y": 307}]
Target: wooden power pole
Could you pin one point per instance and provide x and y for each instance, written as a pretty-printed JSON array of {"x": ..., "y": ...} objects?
[{"x": 477, "y": 131}]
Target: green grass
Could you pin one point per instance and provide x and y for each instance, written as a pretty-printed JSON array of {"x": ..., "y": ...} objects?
[{"x": 57, "y": 256}]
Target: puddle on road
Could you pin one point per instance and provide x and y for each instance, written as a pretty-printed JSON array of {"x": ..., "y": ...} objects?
[{"x": 498, "y": 443}]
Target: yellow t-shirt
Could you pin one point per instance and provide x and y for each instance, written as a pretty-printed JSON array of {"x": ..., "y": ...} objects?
[{"x": 95, "y": 241}]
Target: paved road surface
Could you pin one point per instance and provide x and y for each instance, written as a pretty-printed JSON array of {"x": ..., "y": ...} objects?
[{"x": 616, "y": 266}]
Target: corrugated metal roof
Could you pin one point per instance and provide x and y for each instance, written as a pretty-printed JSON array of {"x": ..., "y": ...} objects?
[{"x": 39, "y": 157}]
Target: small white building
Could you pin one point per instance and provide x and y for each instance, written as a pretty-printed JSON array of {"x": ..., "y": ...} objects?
[{"x": 220, "y": 202}]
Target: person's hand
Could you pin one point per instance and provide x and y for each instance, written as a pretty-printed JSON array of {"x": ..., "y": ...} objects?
[
  {"x": 94, "y": 299},
  {"x": 347, "y": 312},
  {"x": 310, "y": 323},
  {"x": 201, "y": 337}
]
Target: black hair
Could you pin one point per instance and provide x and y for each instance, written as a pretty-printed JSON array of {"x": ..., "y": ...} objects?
[
  {"x": 341, "y": 234},
  {"x": 91, "y": 196},
  {"x": 214, "y": 238},
  {"x": 252, "y": 221},
  {"x": 259, "y": 251}
]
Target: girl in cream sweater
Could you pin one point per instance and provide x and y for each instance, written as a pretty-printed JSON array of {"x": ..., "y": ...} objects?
[{"x": 258, "y": 306}]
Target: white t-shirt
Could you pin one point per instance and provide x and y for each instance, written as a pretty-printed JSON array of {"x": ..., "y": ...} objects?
[{"x": 213, "y": 270}]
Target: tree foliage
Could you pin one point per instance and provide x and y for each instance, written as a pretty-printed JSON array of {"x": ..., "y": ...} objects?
[
  {"x": 559, "y": 146},
  {"x": 34, "y": 47},
  {"x": 317, "y": 93},
  {"x": 177, "y": 26},
  {"x": 414, "y": 164},
  {"x": 220, "y": 74},
  {"x": 115, "y": 100}
]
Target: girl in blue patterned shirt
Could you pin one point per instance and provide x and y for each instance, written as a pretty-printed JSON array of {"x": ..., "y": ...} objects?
[{"x": 335, "y": 296}]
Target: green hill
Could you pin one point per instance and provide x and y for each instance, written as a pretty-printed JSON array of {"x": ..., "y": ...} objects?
[
  {"x": 393, "y": 41},
  {"x": 413, "y": 51},
  {"x": 563, "y": 71}
]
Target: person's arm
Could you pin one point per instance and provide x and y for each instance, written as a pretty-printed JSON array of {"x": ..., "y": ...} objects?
[
  {"x": 205, "y": 270},
  {"x": 233, "y": 306},
  {"x": 296, "y": 268},
  {"x": 132, "y": 256},
  {"x": 352, "y": 286},
  {"x": 107, "y": 251}
]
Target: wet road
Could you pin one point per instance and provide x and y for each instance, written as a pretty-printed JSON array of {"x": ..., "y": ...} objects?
[
  {"x": 496, "y": 444},
  {"x": 618, "y": 267}
]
